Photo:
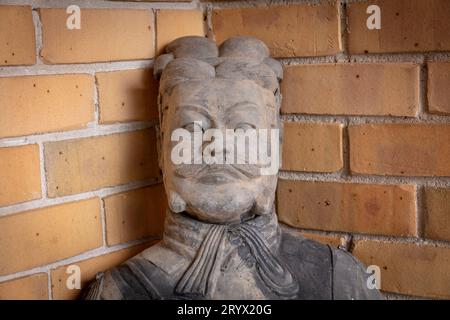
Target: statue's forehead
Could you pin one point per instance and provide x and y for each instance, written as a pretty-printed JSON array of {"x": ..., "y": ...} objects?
[{"x": 223, "y": 93}]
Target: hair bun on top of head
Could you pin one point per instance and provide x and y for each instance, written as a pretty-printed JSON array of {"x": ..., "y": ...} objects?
[
  {"x": 244, "y": 47},
  {"x": 201, "y": 48},
  {"x": 193, "y": 47},
  {"x": 198, "y": 58}
]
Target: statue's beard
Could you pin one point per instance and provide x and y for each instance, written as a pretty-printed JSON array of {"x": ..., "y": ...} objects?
[
  {"x": 220, "y": 193},
  {"x": 200, "y": 171}
]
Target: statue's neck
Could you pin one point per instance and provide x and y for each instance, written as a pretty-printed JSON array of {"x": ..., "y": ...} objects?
[
  {"x": 208, "y": 246},
  {"x": 185, "y": 234}
]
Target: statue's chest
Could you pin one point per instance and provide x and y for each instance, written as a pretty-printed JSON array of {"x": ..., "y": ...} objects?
[{"x": 238, "y": 279}]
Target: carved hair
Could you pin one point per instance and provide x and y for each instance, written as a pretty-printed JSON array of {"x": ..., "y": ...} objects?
[{"x": 198, "y": 58}]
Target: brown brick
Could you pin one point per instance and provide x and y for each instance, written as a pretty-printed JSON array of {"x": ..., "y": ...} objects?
[
  {"x": 89, "y": 268},
  {"x": 406, "y": 26},
  {"x": 437, "y": 213},
  {"x": 438, "y": 84},
  {"x": 350, "y": 207},
  {"x": 315, "y": 147},
  {"x": 41, "y": 236},
  {"x": 33, "y": 287},
  {"x": 17, "y": 41},
  {"x": 135, "y": 214},
  {"x": 80, "y": 165},
  {"x": 400, "y": 149},
  {"x": 173, "y": 24},
  {"x": 351, "y": 89},
  {"x": 37, "y": 104},
  {"x": 331, "y": 240},
  {"x": 288, "y": 31},
  {"x": 128, "y": 95},
  {"x": 105, "y": 35},
  {"x": 421, "y": 270},
  {"x": 19, "y": 174}
]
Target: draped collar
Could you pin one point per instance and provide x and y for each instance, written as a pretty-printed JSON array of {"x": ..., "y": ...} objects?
[{"x": 207, "y": 245}]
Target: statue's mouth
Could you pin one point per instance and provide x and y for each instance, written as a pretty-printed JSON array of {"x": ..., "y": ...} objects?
[{"x": 220, "y": 174}]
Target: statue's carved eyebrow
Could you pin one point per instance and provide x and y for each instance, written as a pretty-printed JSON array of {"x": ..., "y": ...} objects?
[
  {"x": 252, "y": 108},
  {"x": 244, "y": 104},
  {"x": 196, "y": 108}
]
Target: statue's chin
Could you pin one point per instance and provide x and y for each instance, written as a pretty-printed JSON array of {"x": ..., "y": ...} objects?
[
  {"x": 219, "y": 203},
  {"x": 218, "y": 217},
  {"x": 220, "y": 210}
]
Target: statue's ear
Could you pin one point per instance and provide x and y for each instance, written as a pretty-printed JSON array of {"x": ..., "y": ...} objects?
[
  {"x": 275, "y": 66},
  {"x": 159, "y": 146},
  {"x": 160, "y": 63}
]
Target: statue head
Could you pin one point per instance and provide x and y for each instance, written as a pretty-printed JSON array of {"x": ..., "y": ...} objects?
[{"x": 219, "y": 116}]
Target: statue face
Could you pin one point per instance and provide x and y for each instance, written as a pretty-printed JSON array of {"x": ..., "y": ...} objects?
[{"x": 227, "y": 192}]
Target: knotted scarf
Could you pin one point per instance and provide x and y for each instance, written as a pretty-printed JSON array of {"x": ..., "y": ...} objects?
[{"x": 205, "y": 244}]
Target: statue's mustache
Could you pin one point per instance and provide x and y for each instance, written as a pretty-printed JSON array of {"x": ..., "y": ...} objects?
[{"x": 196, "y": 170}]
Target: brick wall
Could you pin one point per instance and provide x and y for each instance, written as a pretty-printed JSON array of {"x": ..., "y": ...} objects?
[
  {"x": 79, "y": 179},
  {"x": 366, "y": 158}
]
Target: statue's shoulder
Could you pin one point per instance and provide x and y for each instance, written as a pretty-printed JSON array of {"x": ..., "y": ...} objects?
[
  {"x": 350, "y": 279},
  {"x": 144, "y": 276},
  {"x": 103, "y": 287},
  {"x": 311, "y": 264},
  {"x": 132, "y": 280},
  {"x": 325, "y": 272}
]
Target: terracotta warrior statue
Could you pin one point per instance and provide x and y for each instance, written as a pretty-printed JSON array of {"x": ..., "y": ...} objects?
[{"x": 221, "y": 237}]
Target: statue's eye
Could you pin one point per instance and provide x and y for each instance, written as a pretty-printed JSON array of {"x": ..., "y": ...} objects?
[
  {"x": 193, "y": 126},
  {"x": 244, "y": 126}
]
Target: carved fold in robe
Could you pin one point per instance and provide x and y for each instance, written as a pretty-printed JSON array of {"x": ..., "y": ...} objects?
[{"x": 250, "y": 260}]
